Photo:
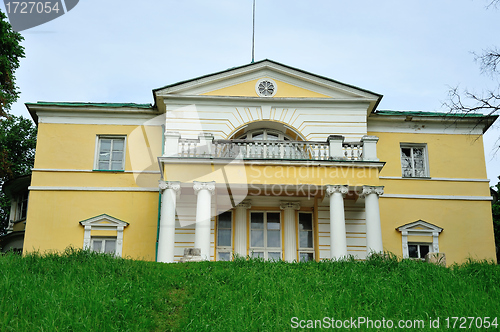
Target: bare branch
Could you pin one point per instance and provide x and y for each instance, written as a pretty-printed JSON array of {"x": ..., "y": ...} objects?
[
  {"x": 487, "y": 103},
  {"x": 489, "y": 61},
  {"x": 493, "y": 3}
]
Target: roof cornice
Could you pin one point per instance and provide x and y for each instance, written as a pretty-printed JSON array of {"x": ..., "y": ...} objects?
[
  {"x": 124, "y": 109},
  {"x": 473, "y": 120}
]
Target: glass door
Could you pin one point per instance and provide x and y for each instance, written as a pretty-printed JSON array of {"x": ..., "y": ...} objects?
[{"x": 265, "y": 235}]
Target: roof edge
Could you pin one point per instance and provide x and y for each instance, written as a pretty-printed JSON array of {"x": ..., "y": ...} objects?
[{"x": 262, "y": 61}]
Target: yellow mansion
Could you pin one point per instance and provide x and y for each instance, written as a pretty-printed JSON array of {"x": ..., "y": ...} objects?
[{"x": 261, "y": 160}]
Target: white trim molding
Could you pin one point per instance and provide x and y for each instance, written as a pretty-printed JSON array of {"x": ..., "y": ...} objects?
[
  {"x": 419, "y": 228},
  {"x": 445, "y": 197},
  {"x": 88, "y": 171},
  {"x": 106, "y": 223},
  {"x": 432, "y": 179},
  {"x": 60, "y": 188}
]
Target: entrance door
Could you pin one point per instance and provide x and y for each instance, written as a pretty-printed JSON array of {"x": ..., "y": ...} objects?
[{"x": 265, "y": 235}]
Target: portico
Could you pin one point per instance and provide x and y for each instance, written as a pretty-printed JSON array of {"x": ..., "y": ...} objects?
[{"x": 272, "y": 227}]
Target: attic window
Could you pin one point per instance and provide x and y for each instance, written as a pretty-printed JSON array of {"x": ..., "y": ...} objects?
[{"x": 266, "y": 87}]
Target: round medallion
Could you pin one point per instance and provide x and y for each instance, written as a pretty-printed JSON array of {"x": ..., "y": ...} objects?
[{"x": 266, "y": 87}]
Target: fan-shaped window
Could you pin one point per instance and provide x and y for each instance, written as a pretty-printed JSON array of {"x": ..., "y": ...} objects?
[
  {"x": 269, "y": 143},
  {"x": 265, "y": 135}
]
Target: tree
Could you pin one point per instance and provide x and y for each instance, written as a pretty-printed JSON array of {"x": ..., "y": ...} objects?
[
  {"x": 486, "y": 102},
  {"x": 17, "y": 155},
  {"x": 10, "y": 53}
]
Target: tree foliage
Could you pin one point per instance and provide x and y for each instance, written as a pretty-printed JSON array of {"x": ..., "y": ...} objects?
[
  {"x": 17, "y": 155},
  {"x": 10, "y": 53}
]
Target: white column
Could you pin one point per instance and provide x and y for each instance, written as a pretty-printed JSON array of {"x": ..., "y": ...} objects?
[
  {"x": 338, "y": 242},
  {"x": 240, "y": 228},
  {"x": 204, "y": 190},
  {"x": 290, "y": 244},
  {"x": 373, "y": 227},
  {"x": 166, "y": 237}
]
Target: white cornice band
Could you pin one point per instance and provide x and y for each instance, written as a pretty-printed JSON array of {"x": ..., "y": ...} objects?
[{"x": 442, "y": 197}]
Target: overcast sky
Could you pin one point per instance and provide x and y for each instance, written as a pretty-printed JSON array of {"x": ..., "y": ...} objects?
[{"x": 410, "y": 51}]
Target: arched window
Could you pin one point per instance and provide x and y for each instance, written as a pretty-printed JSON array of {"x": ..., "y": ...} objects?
[
  {"x": 266, "y": 143},
  {"x": 265, "y": 135}
]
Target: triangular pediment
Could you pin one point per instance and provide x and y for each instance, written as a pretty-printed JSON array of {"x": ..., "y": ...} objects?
[
  {"x": 420, "y": 226},
  {"x": 291, "y": 83},
  {"x": 104, "y": 220}
]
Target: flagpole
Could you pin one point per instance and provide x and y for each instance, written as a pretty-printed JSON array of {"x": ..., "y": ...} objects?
[{"x": 253, "y": 33}]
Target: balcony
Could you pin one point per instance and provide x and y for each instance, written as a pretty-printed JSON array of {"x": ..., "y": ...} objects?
[{"x": 334, "y": 149}]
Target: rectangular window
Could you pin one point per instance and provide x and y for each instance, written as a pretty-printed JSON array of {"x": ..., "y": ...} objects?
[
  {"x": 414, "y": 161},
  {"x": 22, "y": 207},
  {"x": 103, "y": 245},
  {"x": 224, "y": 236},
  {"x": 306, "y": 235},
  {"x": 418, "y": 250},
  {"x": 265, "y": 235},
  {"x": 110, "y": 153}
]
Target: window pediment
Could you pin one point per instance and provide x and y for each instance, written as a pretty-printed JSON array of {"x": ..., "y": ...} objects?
[
  {"x": 420, "y": 226},
  {"x": 104, "y": 220}
]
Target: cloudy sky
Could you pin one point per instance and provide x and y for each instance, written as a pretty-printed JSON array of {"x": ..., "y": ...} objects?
[{"x": 410, "y": 51}]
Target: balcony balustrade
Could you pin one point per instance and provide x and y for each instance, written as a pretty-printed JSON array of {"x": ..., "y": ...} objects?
[{"x": 334, "y": 149}]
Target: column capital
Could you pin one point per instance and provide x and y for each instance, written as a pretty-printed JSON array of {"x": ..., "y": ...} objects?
[
  {"x": 342, "y": 189},
  {"x": 244, "y": 205},
  {"x": 174, "y": 185},
  {"x": 290, "y": 205},
  {"x": 210, "y": 186},
  {"x": 367, "y": 190}
]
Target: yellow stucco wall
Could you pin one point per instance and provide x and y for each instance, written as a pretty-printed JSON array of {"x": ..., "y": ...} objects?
[
  {"x": 72, "y": 146},
  {"x": 467, "y": 226},
  {"x": 450, "y": 156},
  {"x": 54, "y": 216},
  {"x": 318, "y": 175},
  {"x": 247, "y": 89},
  {"x": 54, "y": 219}
]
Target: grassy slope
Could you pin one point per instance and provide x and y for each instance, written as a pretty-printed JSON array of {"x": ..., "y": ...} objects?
[{"x": 82, "y": 291}]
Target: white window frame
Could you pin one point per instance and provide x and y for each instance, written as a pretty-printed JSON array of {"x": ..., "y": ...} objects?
[
  {"x": 303, "y": 249},
  {"x": 225, "y": 249},
  {"x": 266, "y": 250},
  {"x": 425, "y": 155},
  {"x": 420, "y": 228},
  {"x": 249, "y": 134},
  {"x": 419, "y": 245},
  {"x": 104, "y": 239},
  {"x": 104, "y": 222},
  {"x": 98, "y": 148}
]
